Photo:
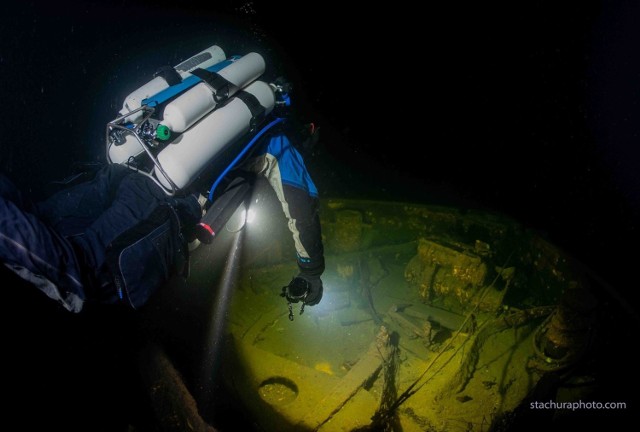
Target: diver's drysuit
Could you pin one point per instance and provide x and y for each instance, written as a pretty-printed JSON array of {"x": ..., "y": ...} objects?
[
  {"x": 118, "y": 237},
  {"x": 121, "y": 235}
]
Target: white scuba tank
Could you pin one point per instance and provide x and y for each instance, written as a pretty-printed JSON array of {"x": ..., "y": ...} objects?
[
  {"x": 204, "y": 59},
  {"x": 193, "y": 104},
  {"x": 185, "y": 158},
  {"x": 199, "y": 100},
  {"x": 121, "y": 153}
]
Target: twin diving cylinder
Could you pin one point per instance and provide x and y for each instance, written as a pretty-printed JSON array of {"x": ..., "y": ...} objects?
[{"x": 202, "y": 120}]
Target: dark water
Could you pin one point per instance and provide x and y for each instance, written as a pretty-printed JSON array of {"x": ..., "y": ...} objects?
[{"x": 532, "y": 110}]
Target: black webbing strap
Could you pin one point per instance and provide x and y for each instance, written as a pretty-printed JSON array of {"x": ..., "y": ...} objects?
[
  {"x": 169, "y": 74},
  {"x": 219, "y": 86},
  {"x": 252, "y": 102}
]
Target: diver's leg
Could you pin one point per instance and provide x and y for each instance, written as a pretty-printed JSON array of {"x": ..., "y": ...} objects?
[
  {"x": 36, "y": 252},
  {"x": 70, "y": 211}
]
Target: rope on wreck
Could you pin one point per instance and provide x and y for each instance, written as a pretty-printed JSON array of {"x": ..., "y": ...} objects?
[{"x": 414, "y": 387}]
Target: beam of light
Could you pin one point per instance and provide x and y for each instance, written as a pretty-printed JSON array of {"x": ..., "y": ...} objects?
[
  {"x": 251, "y": 215},
  {"x": 213, "y": 343}
]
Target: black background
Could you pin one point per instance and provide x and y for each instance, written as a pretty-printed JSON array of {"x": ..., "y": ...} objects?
[{"x": 531, "y": 109}]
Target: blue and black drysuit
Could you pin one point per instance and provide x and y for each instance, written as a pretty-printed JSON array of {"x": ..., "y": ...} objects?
[{"x": 118, "y": 237}]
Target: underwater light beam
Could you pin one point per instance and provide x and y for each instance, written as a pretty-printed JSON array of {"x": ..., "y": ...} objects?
[{"x": 213, "y": 343}]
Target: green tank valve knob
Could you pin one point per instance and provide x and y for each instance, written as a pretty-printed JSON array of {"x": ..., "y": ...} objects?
[{"x": 163, "y": 133}]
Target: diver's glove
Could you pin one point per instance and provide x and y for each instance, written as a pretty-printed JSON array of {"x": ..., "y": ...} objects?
[
  {"x": 310, "y": 270},
  {"x": 313, "y": 287},
  {"x": 303, "y": 288},
  {"x": 190, "y": 211}
]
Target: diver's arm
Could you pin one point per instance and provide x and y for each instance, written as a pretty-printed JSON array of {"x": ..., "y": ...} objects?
[
  {"x": 283, "y": 167},
  {"x": 301, "y": 210}
]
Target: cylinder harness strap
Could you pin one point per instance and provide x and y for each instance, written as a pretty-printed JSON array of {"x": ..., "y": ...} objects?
[
  {"x": 181, "y": 85},
  {"x": 257, "y": 110},
  {"x": 169, "y": 74},
  {"x": 219, "y": 85}
]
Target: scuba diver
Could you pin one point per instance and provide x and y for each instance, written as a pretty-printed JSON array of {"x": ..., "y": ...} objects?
[{"x": 119, "y": 236}]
